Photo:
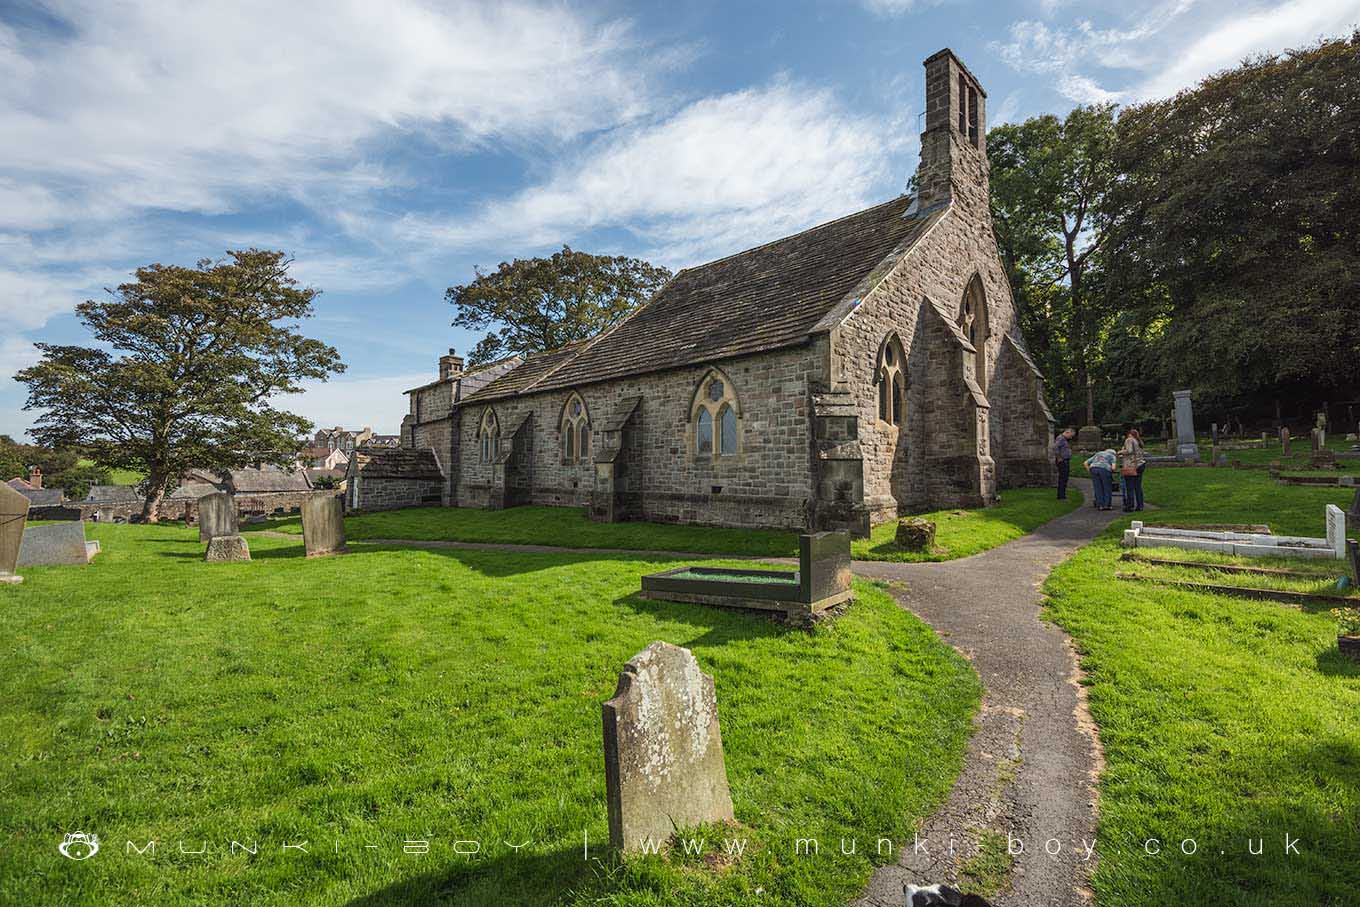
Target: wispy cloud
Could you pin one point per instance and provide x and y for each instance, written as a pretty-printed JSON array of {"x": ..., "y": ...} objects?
[
  {"x": 1143, "y": 56},
  {"x": 721, "y": 174}
]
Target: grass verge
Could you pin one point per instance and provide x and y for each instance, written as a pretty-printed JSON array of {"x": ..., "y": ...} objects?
[{"x": 1226, "y": 723}]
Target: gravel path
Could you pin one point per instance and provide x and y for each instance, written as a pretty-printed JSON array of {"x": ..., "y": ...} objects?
[{"x": 1033, "y": 760}]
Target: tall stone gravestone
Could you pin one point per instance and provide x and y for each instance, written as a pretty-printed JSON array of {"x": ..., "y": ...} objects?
[
  {"x": 216, "y": 516},
  {"x": 1186, "y": 447},
  {"x": 1284, "y": 442},
  {"x": 1336, "y": 531},
  {"x": 13, "y": 516},
  {"x": 663, "y": 753},
  {"x": 323, "y": 525}
]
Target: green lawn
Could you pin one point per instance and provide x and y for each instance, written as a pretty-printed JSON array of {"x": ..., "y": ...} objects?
[
  {"x": 961, "y": 533},
  {"x": 1223, "y": 720},
  {"x": 117, "y": 476},
  {"x": 398, "y": 694}
]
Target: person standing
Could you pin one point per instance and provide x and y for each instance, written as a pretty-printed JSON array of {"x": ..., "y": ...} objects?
[
  {"x": 1134, "y": 459},
  {"x": 1101, "y": 466},
  {"x": 1062, "y": 458}
]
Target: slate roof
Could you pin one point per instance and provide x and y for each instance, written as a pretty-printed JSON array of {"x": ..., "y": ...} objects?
[
  {"x": 395, "y": 463},
  {"x": 268, "y": 479},
  {"x": 765, "y": 298},
  {"x": 112, "y": 493},
  {"x": 534, "y": 368},
  {"x": 42, "y": 497}
]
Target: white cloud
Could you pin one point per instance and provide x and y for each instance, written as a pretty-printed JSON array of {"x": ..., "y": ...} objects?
[
  {"x": 896, "y": 7},
  {"x": 721, "y": 174},
  {"x": 211, "y": 108},
  {"x": 1272, "y": 30},
  {"x": 1146, "y": 58}
]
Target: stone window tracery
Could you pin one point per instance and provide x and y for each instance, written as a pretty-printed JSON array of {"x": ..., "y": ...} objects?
[
  {"x": 489, "y": 437},
  {"x": 716, "y": 416},
  {"x": 890, "y": 381},
  {"x": 575, "y": 431}
]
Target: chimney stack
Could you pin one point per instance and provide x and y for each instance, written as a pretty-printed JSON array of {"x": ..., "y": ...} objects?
[
  {"x": 450, "y": 366},
  {"x": 35, "y": 476}
]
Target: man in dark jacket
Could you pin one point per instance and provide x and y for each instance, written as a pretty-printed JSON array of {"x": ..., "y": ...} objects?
[{"x": 1062, "y": 456}]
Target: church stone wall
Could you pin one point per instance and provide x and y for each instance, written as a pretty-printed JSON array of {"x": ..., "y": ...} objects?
[{"x": 767, "y": 483}]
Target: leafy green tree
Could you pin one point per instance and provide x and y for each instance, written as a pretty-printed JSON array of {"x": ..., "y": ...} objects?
[
  {"x": 536, "y": 304},
  {"x": 16, "y": 458},
  {"x": 1049, "y": 179},
  {"x": 77, "y": 480},
  {"x": 196, "y": 355},
  {"x": 1235, "y": 229}
]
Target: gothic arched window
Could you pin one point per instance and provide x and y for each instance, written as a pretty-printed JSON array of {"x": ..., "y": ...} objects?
[
  {"x": 575, "y": 431},
  {"x": 890, "y": 381},
  {"x": 973, "y": 323},
  {"x": 716, "y": 415},
  {"x": 489, "y": 437}
]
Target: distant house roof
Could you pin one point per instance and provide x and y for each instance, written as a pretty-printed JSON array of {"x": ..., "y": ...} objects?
[
  {"x": 41, "y": 497},
  {"x": 111, "y": 494},
  {"x": 267, "y": 479},
  {"x": 193, "y": 490},
  {"x": 395, "y": 463},
  {"x": 765, "y": 298},
  {"x": 18, "y": 484}
]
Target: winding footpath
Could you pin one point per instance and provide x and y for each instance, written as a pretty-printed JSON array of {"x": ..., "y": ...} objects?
[{"x": 1033, "y": 761}]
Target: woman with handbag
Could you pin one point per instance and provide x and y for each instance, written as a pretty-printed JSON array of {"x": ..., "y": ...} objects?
[{"x": 1134, "y": 461}]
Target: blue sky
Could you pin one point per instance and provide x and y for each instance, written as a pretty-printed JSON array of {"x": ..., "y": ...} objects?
[{"x": 393, "y": 146}]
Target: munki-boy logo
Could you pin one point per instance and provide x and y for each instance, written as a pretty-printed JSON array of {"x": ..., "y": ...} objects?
[{"x": 79, "y": 846}]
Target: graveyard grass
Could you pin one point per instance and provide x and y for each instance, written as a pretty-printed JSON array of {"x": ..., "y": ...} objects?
[
  {"x": 394, "y": 694},
  {"x": 1223, "y": 720},
  {"x": 959, "y": 533}
]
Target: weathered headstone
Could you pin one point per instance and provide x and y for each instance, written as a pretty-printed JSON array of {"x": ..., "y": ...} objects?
[
  {"x": 915, "y": 534},
  {"x": 1324, "y": 458},
  {"x": 323, "y": 525},
  {"x": 1316, "y": 437},
  {"x": 1336, "y": 531},
  {"x": 13, "y": 515},
  {"x": 1089, "y": 437},
  {"x": 1353, "y": 549},
  {"x": 56, "y": 544},
  {"x": 1284, "y": 441},
  {"x": 227, "y": 548},
  {"x": 1186, "y": 447},
  {"x": 216, "y": 516},
  {"x": 663, "y": 753},
  {"x": 1352, "y": 515}
]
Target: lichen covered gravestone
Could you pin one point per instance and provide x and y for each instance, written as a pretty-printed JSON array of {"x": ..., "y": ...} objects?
[
  {"x": 915, "y": 534},
  {"x": 217, "y": 516},
  {"x": 663, "y": 753},
  {"x": 13, "y": 515},
  {"x": 227, "y": 548},
  {"x": 323, "y": 525}
]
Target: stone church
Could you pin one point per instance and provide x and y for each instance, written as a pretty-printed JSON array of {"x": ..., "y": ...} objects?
[{"x": 868, "y": 367}]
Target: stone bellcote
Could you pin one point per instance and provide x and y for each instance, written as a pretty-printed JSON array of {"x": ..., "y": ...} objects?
[{"x": 954, "y": 144}]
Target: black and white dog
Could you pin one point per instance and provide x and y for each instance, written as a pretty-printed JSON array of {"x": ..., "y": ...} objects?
[{"x": 941, "y": 896}]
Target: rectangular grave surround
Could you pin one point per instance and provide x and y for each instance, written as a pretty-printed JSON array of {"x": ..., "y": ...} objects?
[
  {"x": 822, "y": 581},
  {"x": 1245, "y": 544}
]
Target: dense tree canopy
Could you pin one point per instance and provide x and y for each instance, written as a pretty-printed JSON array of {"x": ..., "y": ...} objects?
[
  {"x": 1235, "y": 235},
  {"x": 189, "y": 361},
  {"x": 536, "y": 304},
  {"x": 1216, "y": 238},
  {"x": 1050, "y": 179}
]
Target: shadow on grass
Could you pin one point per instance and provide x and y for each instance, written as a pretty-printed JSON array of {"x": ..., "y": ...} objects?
[
  {"x": 1330, "y": 661},
  {"x": 508, "y": 879},
  {"x": 719, "y": 625}
]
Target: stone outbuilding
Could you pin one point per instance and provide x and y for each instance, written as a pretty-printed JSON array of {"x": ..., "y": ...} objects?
[{"x": 868, "y": 367}]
